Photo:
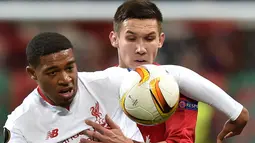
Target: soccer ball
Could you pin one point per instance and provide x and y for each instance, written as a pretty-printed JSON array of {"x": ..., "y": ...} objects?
[{"x": 149, "y": 95}]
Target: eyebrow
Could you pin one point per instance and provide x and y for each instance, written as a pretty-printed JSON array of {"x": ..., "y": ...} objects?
[
  {"x": 56, "y": 67},
  {"x": 130, "y": 32},
  {"x": 50, "y": 68},
  {"x": 71, "y": 62},
  {"x": 152, "y": 33}
]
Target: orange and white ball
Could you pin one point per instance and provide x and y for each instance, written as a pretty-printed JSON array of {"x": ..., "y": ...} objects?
[{"x": 149, "y": 95}]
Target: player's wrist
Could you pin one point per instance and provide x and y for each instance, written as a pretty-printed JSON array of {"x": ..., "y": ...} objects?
[{"x": 243, "y": 117}]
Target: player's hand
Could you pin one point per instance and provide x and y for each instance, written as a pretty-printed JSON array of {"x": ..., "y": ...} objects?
[
  {"x": 112, "y": 135},
  {"x": 233, "y": 128}
]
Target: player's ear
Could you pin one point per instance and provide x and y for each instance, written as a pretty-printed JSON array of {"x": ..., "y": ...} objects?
[
  {"x": 31, "y": 72},
  {"x": 114, "y": 39},
  {"x": 161, "y": 39}
]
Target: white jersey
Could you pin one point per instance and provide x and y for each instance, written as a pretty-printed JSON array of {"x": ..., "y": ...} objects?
[{"x": 37, "y": 121}]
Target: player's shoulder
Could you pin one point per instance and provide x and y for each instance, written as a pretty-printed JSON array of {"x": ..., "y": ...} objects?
[
  {"x": 109, "y": 73},
  {"x": 23, "y": 110}
]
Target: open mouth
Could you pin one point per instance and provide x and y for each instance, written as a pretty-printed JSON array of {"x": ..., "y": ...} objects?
[
  {"x": 140, "y": 61},
  {"x": 67, "y": 92}
]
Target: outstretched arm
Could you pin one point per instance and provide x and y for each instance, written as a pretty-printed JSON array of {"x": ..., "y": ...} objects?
[{"x": 198, "y": 88}]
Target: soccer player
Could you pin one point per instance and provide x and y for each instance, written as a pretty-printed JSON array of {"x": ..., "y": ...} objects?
[
  {"x": 55, "y": 111},
  {"x": 137, "y": 36}
]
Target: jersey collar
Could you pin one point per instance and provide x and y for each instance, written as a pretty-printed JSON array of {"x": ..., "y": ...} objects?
[{"x": 46, "y": 99}]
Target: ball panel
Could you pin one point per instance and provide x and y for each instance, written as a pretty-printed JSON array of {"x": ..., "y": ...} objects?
[
  {"x": 134, "y": 101},
  {"x": 174, "y": 108},
  {"x": 144, "y": 115},
  {"x": 169, "y": 89},
  {"x": 144, "y": 74},
  {"x": 158, "y": 97},
  {"x": 155, "y": 71}
]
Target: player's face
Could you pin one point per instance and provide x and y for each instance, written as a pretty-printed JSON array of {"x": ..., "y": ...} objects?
[
  {"x": 57, "y": 77},
  {"x": 137, "y": 42}
]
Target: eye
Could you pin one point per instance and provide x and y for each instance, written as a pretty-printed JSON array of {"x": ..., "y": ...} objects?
[
  {"x": 131, "y": 38},
  {"x": 150, "y": 38},
  {"x": 53, "y": 73},
  {"x": 69, "y": 69}
]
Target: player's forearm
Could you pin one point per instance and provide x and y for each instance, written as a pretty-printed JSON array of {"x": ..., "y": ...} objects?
[
  {"x": 209, "y": 93},
  {"x": 196, "y": 87}
]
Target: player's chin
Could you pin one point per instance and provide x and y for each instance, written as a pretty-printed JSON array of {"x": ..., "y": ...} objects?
[{"x": 66, "y": 101}]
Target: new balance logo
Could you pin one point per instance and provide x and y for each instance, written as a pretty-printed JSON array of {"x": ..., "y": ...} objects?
[{"x": 52, "y": 134}]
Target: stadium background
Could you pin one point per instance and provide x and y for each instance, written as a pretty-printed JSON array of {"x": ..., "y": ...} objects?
[{"x": 213, "y": 38}]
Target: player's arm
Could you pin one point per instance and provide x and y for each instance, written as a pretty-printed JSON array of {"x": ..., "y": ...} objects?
[
  {"x": 13, "y": 136},
  {"x": 198, "y": 88}
]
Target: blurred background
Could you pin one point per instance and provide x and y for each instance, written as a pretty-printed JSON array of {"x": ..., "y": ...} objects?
[{"x": 214, "y": 38}]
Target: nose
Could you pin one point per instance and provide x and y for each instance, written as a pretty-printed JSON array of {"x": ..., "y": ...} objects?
[
  {"x": 65, "y": 79},
  {"x": 140, "y": 49}
]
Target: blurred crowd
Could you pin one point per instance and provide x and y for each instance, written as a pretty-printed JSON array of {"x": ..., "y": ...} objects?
[{"x": 221, "y": 51}]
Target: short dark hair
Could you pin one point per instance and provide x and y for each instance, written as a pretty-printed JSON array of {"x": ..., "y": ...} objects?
[
  {"x": 44, "y": 44},
  {"x": 137, "y": 9}
]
